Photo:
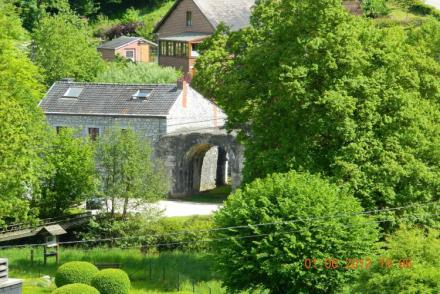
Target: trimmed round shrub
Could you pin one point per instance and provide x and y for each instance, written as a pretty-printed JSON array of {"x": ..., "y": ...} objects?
[
  {"x": 111, "y": 281},
  {"x": 75, "y": 272},
  {"x": 76, "y": 289},
  {"x": 309, "y": 230}
]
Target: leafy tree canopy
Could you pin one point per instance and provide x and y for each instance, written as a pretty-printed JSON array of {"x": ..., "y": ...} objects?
[
  {"x": 127, "y": 168},
  {"x": 22, "y": 126},
  {"x": 310, "y": 87},
  {"x": 273, "y": 256},
  {"x": 64, "y": 48},
  {"x": 73, "y": 179}
]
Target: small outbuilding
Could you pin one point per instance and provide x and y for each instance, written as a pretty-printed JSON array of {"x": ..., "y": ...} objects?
[{"x": 133, "y": 48}]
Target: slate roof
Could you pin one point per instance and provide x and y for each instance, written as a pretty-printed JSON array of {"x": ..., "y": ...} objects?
[
  {"x": 122, "y": 41},
  {"x": 109, "y": 99},
  {"x": 54, "y": 230},
  {"x": 234, "y": 13}
]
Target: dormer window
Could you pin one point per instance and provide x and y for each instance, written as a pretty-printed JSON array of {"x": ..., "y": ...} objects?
[
  {"x": 142, "y": 94},
  {"x": 73, "y": 92},
  {"x": 189, "y": 20}
]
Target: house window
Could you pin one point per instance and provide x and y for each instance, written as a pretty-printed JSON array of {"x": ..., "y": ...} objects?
[
  {"x": 194, "y": 50},
  {"x": 189, "y": 21},
  {"x": 130, "y": 54},
  {"x": 93, "y": 133}
]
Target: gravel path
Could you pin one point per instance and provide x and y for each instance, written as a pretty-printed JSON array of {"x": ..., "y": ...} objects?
[
  {"x": 180, "y": 208},
  {"x": 171, "y": 208}
]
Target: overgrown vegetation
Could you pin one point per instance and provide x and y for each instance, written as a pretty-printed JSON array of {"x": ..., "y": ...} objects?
[{"x": 138, "y": 73}]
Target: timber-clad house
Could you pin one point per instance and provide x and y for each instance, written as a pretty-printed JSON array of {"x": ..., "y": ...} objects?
[{"x": 189, "y": 22}]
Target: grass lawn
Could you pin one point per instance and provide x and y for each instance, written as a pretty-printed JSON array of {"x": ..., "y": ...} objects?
[
  {"x": 150, "y": 273},
  {"x": 218, "y": 195}
]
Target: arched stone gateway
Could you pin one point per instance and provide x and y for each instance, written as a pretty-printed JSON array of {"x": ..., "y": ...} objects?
[{"x": 200, "y": 161}]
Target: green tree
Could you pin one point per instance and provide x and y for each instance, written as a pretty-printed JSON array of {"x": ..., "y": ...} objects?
[
  {"x": 22, "y": 138},
  {"x": 415, "y": 257},
  {"x": 32, "y": 10},
  {"x": 313, "y": 88},
  {"x": 64, "y": 48},
  {"x": 127, "y": 168},
  {"x": 138, "y": 73},
  {"x": 274, "y": 256},
  {"x": 73, "y": 179}
]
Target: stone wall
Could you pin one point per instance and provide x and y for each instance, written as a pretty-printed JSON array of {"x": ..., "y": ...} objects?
[
  {"x": 182, "y": 153},
  {"x": 148, "y": 127}
]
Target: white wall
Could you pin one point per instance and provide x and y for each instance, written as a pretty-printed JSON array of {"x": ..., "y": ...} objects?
[{"x": 199, "y": 114}]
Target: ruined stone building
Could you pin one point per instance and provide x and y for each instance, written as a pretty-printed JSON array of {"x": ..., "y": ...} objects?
[{"x": 185, "y": 129}]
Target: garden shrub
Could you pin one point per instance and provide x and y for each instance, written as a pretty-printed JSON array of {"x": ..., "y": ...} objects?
[
  {"x": 273, "y": 256},
  {"x": 140, "y": 229},
  {"x": 422, "y": 275},
  {"x": 375, "y": 8},
  {"x": 75, "y": 272},
  {"x": 111, "y": 281},
  {"x": 76, "y": 288}
]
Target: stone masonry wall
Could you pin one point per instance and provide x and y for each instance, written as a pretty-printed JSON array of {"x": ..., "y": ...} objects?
[{"x": 151, "y": 128}]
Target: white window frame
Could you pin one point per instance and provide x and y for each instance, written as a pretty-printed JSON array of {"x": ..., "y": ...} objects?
[{"x": 134, "y": 54}]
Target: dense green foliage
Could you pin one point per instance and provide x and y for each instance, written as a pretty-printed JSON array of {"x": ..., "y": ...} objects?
[
  {"x": 22, "y": 124},
  {"x": 423, "y": 276},
  {"x": 111, "y": 281},
  {"x": 64, "y": 48},
  {"x": 374, "y": 8},
  {"x": 75, "y": 272},
  {"x": 274, "y": 256},
  {"x": 126, "y": 168},
  {"x": 354, "y": 102},
  {"x": 73, "y": 179},
  {"x": 138, "y": 73},
  {"x": 32, "y": 10},
  {"x": 149, "y": 231},
  {"x": 77, "y": 288}
]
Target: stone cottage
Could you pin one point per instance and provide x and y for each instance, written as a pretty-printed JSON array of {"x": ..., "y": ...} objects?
[{"x": 186, "y": 129}]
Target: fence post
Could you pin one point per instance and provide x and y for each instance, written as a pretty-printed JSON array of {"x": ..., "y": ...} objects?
[
  {"x": 163, "y": 273},
  {"x": 178, "y": 282},
  {"x": 150, "y": 270},
  {"x": 194, "y": 286},
  {"x": 32, "y": 256}
]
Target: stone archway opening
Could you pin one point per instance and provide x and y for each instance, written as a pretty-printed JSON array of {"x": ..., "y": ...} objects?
[{"x": 208, "y": 168}]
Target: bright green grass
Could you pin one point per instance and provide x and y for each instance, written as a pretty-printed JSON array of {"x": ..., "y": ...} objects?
[
  {"x": 218, "y": 195},
  {"x": 151, "y": 273}
]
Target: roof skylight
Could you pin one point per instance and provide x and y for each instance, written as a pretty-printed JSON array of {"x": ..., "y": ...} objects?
[
  {"x": 73, "y": 92},
  {"x": 142, "y": 94}
]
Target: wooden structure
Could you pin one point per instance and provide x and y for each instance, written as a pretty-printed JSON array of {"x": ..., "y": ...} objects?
[
  {"x": 133, "y": 48},
  {"x": 20, "y": 231},
  {"x": 51, "y": 247},
  {"x": 189, "y": 22}
]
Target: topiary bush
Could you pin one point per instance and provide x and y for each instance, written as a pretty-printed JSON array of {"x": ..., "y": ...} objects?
[
  {"x": 75, "y": 272},
  {"x": 76, "y": 289},
  {"x": 111, "y": 281},
  {"x": 274, "y": 256}
]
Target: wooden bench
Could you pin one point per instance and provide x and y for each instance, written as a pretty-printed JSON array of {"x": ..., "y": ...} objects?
[{"x": 107, "y": 265}]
